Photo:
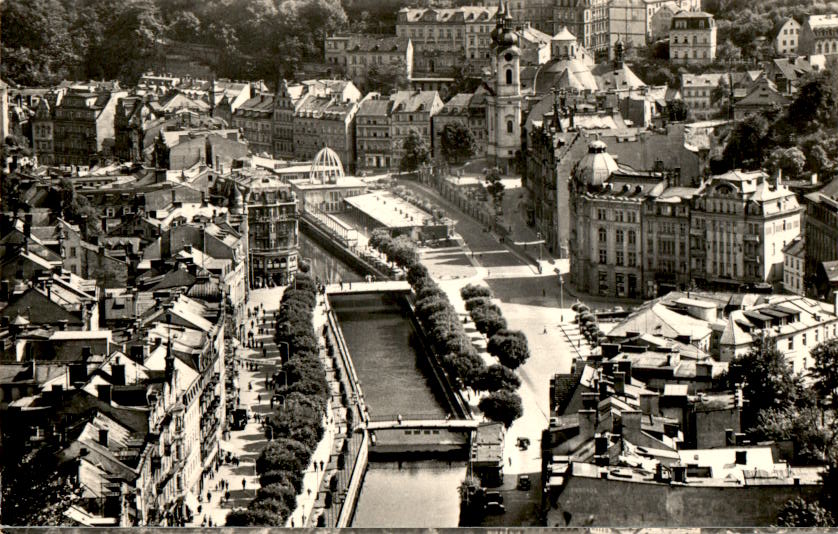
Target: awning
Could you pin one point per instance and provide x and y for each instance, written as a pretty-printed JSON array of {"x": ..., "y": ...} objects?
[{"x": 191, "y": 501}]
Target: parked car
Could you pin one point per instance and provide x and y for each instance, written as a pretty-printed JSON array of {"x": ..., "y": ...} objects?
[
  {"x": 495, "y": 496},
  {"x": 524, "y": 482},
  {"x": 494, "y": 507}
]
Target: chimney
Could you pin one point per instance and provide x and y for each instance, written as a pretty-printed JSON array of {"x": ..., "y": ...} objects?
[
  {"x": 118, "y": 374},
  {"x": 631, "y": 424},
  {"x": 607, "y": 367},
  {"x": 103, "y": 437},
  {"x": 86, "y": 352},
  {"x": 741, "y": 457},
  {"x": 619, "y": 383},
  {"x": 609, "y": 350},
  {"x": 57, "y": 394},
  {"x": 62, "y": 324},
  {"x": 624, "y": 366},
  {"x": 679, "y": 474},
  {"x": 137, "y": 353},
  {"x": 590, "y": 401},
  {"x": 587, "y": 424},
  {"x": 649, "y": 403},
  {"x": 104, "y": 392},
  {"x": 78, "y": 374},
  {"x": 603, "y": 390},
  {"x": 600, "y": 444}
]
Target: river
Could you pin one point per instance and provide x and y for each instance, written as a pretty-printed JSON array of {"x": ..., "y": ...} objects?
[
  {"x": 419, "y": 493},
  {"x": 391, "y": 371},
  {"x": 410, "y": 494}
]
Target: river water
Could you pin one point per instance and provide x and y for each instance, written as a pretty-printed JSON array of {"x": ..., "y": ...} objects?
[
  {"x": 394, "y": 380},
  {"x": 412, "y": 494},
  {"x": 391, "y": 371}
]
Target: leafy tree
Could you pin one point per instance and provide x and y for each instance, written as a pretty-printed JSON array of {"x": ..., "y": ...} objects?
[
  {"x": 678, "y": 111},
  {"x": 814, "y": 107},
  {"x": 799, "y": 513},
  {"x": 510, "y": 348},
  {"x": 477, "y": 302},
  {"x": 283, "y": 454},
  {"x": 386, "y": 78},
  {"x": 416, "y": 152},
  {"x": 270, "y": 505},
  {"x": 253, "y": 518},
  {"x": 790, "y": 160},
  {"x": 767, "y": 381},
  {"x": 495, "y": 187},
  {"x": 747, "y": 143},
  {"x": 496, "y": 378},
  {"x": 502, "y": 406},
  {"x": 471, "y": 291},
  {"x": 457, "y": 142},
  {"x": 825, "y": 369},
  {"x": 488, "y": 319},
  {"x": 802, "y": 426},
  {"x": 283, "y": 492}
]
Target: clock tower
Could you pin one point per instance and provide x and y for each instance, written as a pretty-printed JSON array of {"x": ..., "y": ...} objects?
[{"x": 505, "y": 103}]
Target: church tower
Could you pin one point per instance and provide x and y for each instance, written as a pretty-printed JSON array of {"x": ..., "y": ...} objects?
[{"x": 504, "y": 105}]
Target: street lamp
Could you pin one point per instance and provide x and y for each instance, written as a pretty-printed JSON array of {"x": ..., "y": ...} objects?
[
  {"x": 561, "y": 295},
  {"x": 540, "y": 240}
]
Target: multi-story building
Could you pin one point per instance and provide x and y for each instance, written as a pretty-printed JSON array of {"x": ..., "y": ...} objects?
[
  {"x": 785, "y": 42},
  {"x": 697, "y": 92},
  {"x": 373, "y": 141},
  {"x": 538, "y": 13},
  {"x": 412, "y": 111},
  {"x": 82, "y": 122},
  {"x": 325, "y": 121},
  {"x": 43, "y": 133},
  {"x": 606, "y": 210},
  {"x": 255, "y": 119},
  {"x": 468, "y": 109},
  {"x": 273, "y": 240},
  {"x": 504, "y": 102},
  {"x": 638, "y": 233},
  {"x": 131, "y": 120},
  {"x": 354, "y": 54},
  {"x": 627, "y": 23},
  {"x": 740, "y": 224},
  {"x": 794, "y": 266},
  {"x": 666, "y": 230},
  {"x": 692, "y": 38},
  {"x": 447, "y": 38},
  {"x": 588, "y": 21},
  {"x": 821, "y": 233},
  {"x": 818, "y": 35}
]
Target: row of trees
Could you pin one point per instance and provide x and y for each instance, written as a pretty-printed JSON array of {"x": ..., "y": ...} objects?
[
  {"x": 781, "y": 406},
  {"x": 442, "y": 325},
  {"x": 296, "y": 426}
]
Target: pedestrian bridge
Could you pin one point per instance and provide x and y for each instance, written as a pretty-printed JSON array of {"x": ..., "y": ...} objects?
[
  {"x": 424, "y": 424},
  {"x": 349, "y": 288}
]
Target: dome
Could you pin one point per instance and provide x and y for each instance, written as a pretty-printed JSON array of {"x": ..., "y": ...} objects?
[
  {"x": 326, "y": 167},
  {"x": 597, "y": 165},
  {"x": 552, "y": 75}
]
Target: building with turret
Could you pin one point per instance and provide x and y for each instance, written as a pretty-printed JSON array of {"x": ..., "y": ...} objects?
[{"x": 504, "y": 103}]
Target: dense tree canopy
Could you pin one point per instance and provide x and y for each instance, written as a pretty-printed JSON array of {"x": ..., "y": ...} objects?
[
  {"x": 457, "y": 142},
  {"x": 416, "y": 152},
  {"x": 503, "y": 406}
]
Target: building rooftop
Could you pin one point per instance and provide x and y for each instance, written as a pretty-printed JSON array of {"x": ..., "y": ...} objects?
[{"x": 389, "y": 210}]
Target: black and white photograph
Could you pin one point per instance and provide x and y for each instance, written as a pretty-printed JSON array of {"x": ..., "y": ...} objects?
[{"x": 493, "y": 265}]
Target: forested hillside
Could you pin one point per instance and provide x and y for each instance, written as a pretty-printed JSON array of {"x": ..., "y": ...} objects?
[{"x": 44, "y": 41}]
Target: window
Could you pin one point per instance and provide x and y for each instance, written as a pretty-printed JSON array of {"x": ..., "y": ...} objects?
[
  {"x": 803, "y": 339},
  {"x": 791, "y": 343},
  {"x": 72, "y": 252},
  {"x": 603, "y": 235},
  {"x": 619, "y": 237},
  {"x": 603, "y": 256},
  {"x": 508, "y": 76},
  {"x": 619, "y": 259},
  {"x": 600, "y": 214},
  {"x": 632, "y": 237},
  {"x": 510, "y": 128}
]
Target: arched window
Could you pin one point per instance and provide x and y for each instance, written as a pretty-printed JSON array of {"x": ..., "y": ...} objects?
[
  {"x": 509, "y": 127},
  {"x": 508, "y": 76}
]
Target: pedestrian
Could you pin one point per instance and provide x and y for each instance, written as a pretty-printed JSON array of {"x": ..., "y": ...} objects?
[
  {"x": 227, "y": 495},
  {"x": 341, "y": 288},
  {"x": 244, "y": 482},
  {"x": 510, "y": 460},
  {"x": 545, "y": 329},
  {"x": 209, "y": 523},
  {"x": 209, "y": 496},
  {"x": 321, "y": 465}
]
